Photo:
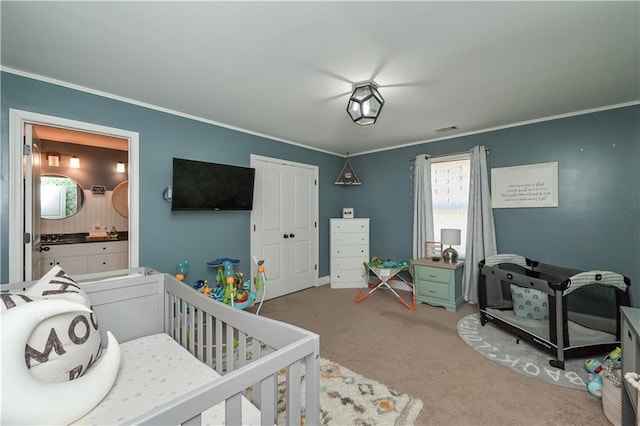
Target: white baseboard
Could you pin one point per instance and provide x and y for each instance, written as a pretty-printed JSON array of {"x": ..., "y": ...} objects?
[{"x": 323, "y": 280}]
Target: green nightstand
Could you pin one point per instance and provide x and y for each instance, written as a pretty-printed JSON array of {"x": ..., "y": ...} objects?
[{"x": 438, "y": 283}]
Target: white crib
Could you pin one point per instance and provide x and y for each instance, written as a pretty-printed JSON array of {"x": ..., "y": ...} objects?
[{"x": 247, "y": 352}]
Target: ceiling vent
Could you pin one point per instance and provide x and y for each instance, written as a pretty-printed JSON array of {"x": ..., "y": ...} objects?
[{"x": 446, "y": 129}]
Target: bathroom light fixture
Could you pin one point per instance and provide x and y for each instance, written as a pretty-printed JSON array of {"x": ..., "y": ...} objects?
[
  {"x": 365, "y": 103},
  {"x": 450, "y": 237},
  {"x": 53, "y": 159},
  {"x": 120, "y": 167},
  {"x": 74, "y": 162}
]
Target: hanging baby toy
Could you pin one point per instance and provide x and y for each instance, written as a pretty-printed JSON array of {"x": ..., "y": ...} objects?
[{"x": 260, "y": 276}]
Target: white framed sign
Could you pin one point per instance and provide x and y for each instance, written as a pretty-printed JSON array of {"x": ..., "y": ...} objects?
[{"x": 533, "y": 185}]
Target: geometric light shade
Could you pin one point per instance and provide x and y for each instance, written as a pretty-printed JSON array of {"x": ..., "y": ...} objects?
[{"x": 365, "y": 103}]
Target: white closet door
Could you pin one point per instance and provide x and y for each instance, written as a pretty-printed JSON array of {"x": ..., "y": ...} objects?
[{"x": 284, "y": 220}]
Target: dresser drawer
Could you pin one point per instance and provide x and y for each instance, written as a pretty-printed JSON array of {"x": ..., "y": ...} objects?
[
  {"x": 349, "y": 225},
  {"x": 350, "y": 238},
  {"x": 351, "y": 275},
  {"x": 434, "y": 290},
  {"x": 359, "y": 251},
  {"x": 429, "y": 273},
  {"x": 340, "y": 263}
]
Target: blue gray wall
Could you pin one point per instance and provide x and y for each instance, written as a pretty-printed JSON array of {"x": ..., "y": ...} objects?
[
  {"x": 597, "y": 223},
  {"x": 596, "y": 226},
  {"x": 166, "y": 237}
]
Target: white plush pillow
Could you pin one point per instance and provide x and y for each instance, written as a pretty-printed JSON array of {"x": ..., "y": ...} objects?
[
  {"x": 529, "y": 303},
  {"x": 64, "y": 346}
]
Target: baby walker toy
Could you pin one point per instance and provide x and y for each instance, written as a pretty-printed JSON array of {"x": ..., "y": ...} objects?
[{"x": 230, "y": 285}]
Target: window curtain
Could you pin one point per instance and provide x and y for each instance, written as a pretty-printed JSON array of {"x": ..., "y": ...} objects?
[
  {"x": 422, "y": 205},
  {"x": 481, "y": 234}
]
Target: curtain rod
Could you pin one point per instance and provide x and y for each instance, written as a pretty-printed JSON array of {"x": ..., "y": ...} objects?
[{"x": 487, "y": 150}]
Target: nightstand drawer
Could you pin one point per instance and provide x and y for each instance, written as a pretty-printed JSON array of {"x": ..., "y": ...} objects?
[
  {"x": 434, "y": 291},
  {"x": 431, "y": 274}
]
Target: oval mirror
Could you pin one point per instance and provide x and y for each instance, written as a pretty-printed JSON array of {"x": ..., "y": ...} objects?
[
  {"x": 60, "y": 197},
  {"x": 120, "y": 199}
]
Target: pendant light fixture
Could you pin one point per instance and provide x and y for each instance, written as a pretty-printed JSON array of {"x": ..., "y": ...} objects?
[{"x": 365, "y": 103}]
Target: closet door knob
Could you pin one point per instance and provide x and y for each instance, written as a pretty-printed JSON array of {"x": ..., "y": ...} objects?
[
  {"x": 285, "y": 236},
  {"x": 291, "y": 235}
]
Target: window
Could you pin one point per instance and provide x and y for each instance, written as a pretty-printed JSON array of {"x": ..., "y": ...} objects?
[{"x": 450, "y": 195}]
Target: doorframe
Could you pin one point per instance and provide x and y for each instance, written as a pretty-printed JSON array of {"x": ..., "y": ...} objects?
[
  {"x": 252, "y": 159},
  {"x": 17, "y": 120}
]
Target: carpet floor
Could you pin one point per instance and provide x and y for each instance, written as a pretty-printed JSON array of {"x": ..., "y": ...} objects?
[{"x": 420, "y": 353}]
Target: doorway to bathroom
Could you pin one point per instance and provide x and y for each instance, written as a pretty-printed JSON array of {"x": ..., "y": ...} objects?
[{"x": 48, "y": 145}]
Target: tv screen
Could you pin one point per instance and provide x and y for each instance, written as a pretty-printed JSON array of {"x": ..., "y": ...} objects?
[{"x": 198, "y": 185}]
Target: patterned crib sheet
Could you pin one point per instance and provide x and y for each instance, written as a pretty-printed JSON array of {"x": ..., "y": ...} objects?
[{"x": 153, "y": 371}]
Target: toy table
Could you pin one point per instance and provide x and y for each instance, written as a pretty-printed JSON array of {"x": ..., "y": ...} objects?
[{"x": 385, "y": 274}]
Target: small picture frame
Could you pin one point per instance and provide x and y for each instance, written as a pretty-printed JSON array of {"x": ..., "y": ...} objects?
[{"x": 433, "y": 250}]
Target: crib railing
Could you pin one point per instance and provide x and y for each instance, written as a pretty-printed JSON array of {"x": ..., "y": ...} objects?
[
  {"x": 247, "y": 350},
  {"x": 250, "y": 352}
]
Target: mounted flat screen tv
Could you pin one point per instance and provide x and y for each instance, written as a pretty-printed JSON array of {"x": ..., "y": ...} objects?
[{"x": 198, "y": 185}]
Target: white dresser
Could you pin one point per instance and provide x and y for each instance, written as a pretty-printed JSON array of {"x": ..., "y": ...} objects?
[{"x": 349, "y": 251}]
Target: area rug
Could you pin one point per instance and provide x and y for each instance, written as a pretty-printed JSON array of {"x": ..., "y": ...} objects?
[
  {"x": 524, "y": 358},
  {"x": 347, "y": 398}
]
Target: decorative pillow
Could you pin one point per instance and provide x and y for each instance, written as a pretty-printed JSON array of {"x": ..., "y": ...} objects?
[
  {"x": 64, "y": 346},
  {"x": 530, "y": 303}
]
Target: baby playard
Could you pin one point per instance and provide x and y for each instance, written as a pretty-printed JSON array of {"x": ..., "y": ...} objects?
[{"x": 566, "y": 312}]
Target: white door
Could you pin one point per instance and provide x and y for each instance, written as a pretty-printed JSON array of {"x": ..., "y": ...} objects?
[
  {"x": 32, "y": 243},
  {"x": 285, "y": 226}
]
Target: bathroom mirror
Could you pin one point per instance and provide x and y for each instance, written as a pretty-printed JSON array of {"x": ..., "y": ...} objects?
[
  {"x": 120, "y": 199},
  {"x": 60, "y": 197}
]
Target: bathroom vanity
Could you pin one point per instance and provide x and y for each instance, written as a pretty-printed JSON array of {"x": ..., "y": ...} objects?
[{"x": 76, "y": 255}]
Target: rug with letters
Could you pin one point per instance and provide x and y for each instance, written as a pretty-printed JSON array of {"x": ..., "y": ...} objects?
[{"x": 501, "y": 347}]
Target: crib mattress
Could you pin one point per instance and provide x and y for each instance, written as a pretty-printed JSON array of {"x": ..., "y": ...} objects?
[
  {"x": 578, "y": 334},
  {"x": 153, "y": 371}
]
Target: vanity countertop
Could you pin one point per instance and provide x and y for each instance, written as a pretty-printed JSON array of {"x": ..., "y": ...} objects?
[{"x": 78, "y": 238}]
